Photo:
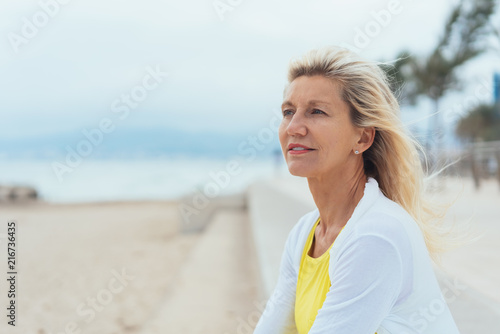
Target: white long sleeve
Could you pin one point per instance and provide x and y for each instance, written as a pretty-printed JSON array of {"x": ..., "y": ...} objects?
[{"x": 366, "y": 283}]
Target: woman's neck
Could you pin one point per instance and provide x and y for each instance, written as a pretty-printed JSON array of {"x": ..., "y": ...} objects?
[{"x": 336, "y": 197}]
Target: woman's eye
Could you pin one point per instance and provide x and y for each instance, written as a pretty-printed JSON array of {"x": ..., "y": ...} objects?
[
  {"x": 317, "y": 111},
  {"x": 287, "y": 112}
]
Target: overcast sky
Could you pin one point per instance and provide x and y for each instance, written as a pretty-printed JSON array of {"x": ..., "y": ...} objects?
[{"x": 223, "y": 75}]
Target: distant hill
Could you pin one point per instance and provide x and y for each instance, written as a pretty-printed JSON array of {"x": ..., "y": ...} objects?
[{"x": 134, "y": 143}]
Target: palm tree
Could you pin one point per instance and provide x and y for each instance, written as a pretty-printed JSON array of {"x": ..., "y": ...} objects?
[{"x": 433, "y": 76}]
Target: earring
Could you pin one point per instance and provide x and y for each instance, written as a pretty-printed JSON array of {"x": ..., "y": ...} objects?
[{"x": 356, "y": 152}]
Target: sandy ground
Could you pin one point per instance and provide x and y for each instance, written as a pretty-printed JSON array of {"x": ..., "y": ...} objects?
[
  {"x": 70, "y": 258},
  {"x": 114, "y": 268}
]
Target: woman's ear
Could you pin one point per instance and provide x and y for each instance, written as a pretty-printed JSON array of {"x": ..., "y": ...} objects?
[{"x": 366, "y": 139}]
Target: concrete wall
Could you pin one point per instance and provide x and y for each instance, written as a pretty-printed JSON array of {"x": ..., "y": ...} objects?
[{"x": 274, "y": 207}]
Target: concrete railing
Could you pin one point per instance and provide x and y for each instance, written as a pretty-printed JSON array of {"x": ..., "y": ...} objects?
[
  {"x": 195, "y": 212},
  {"x": 275, "y": 206}
]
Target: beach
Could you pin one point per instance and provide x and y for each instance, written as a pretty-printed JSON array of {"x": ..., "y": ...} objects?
[{"x": 103, "y": 267}]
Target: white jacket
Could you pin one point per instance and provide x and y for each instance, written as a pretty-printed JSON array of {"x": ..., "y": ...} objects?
[{"x": 381, "y": 276}]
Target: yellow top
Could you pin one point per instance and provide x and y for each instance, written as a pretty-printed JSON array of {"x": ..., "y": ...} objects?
[{"x": 313, "y": 284}]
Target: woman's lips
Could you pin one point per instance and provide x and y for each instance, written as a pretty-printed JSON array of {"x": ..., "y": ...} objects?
[{"x": 300, "y": 151}]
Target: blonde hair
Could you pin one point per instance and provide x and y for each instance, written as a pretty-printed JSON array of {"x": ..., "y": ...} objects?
[{"x": 393, "y": 159}]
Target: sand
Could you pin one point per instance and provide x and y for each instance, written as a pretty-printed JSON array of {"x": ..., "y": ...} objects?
[
  {"x": 68, "y": 253},
  {"x": 120, "y": 267},
  {"x": 70, "y": 258}
]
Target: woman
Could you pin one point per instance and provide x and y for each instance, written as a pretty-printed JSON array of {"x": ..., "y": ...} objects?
[{"x": 359, "y": 263}]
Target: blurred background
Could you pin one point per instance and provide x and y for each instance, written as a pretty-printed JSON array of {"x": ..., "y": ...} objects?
[{"x": 139, "y": 152}]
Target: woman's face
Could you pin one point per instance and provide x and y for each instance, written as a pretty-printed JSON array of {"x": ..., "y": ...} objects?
[{"x": 317, "y": 122}]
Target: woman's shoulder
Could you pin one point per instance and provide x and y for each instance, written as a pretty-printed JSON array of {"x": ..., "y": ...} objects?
[
  {"x": 389, "y": 222},
  {"x": 379, "y": 215}
]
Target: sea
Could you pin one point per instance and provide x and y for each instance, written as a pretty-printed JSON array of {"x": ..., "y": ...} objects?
[{"x": 137, "y": 179}]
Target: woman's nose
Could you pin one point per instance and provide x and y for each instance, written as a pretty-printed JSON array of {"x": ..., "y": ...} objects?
[{"x": 297, "y": 126}]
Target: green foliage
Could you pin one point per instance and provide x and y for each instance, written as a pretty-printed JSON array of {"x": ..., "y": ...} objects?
[{"x": 463, "y": 38}]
